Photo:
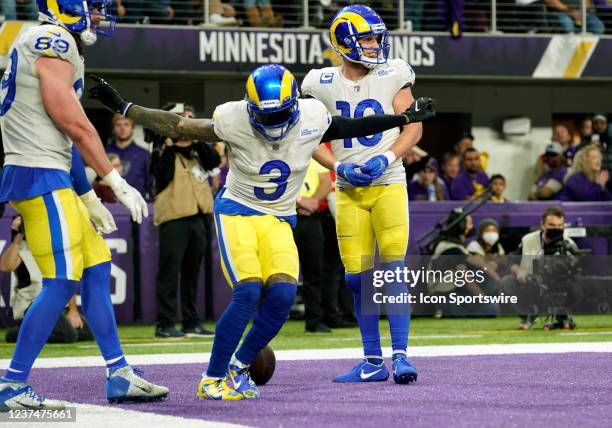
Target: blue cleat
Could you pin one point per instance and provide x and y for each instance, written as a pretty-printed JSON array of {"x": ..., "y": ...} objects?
[
  {"x": 403, "y": 370},
  {"x": 242, "y": 382},
  {"x": 365, "y": 372},
  {"x": 125, "y": 384}
]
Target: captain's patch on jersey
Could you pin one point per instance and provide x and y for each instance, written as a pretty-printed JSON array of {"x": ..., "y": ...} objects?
[
  {"x": 327, "y": 77},
  {"x": 387, "y": 72}
]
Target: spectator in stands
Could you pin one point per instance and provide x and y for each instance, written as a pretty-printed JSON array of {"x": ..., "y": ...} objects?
[
  {"x": 471, "y": 182},
  {"x": 102, "y": 189},
  {"x": 487, "y": 252},
  {"x": 145, "y": 11},
  {"x": 498, "y": 186},
  {"x": 600, "y": 130},
  {"x": 562, "y": 136},
  {"x": 427, "y": 186},
  {"x": 134, "y": 158},
  {"x": 586, "y": 130},
  {"x": 451, "y": 167},
  {"x": 549, "y": 184},
  {"x": 19, "y": 260},
  {"x": 465, "y": 142},
  {"x": 259, "y": 13},
  {"x": 569, "y": 15},
  {"x": 586, "y": 180},
  {"x": 451, "y": 254},
  {"x": 182, "y": 209},
  {"x": 488, "y": 239},
  {"x": 23, "y": 10},
  {"x": 522, "y": 282},
  {"x": 222, "y": 14},
  {"x": 414, "y": 161},
  {"x": 310, "y": 243}
]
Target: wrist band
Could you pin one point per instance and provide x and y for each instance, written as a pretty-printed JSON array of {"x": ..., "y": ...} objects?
[{"x": 390, "y": 156}]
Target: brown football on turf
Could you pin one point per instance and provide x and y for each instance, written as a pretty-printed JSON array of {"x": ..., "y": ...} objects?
[{"x": 262, "y": 368}]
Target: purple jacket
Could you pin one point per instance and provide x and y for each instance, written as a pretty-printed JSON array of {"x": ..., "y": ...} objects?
[
  {"x": 464, "y": 186},
  {"x": 416, "y": 192},
  {"x": 557, "y": 175},
  {"x": 579, "y": 188},
  {"x": 135, "y": 162}
]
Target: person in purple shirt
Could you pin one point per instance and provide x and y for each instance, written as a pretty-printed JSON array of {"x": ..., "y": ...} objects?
[
  {"x": 549, "y": 184},
  {"x": 586, "y": 180},
  {"x": 135, "y": 159},
  {"x": 471, "y": 182},
  {"x": 450, "y": 168},
  {"x": 427, "y": 186}
]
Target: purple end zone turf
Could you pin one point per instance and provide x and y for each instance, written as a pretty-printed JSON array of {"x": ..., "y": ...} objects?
[{"x": 477, "y": 391}]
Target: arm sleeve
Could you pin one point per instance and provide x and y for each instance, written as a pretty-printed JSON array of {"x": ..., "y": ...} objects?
[
  {"x": 344, "y": 127},
  {"x": 77, "y": 173},
  {"x": 209, "y": 158}
]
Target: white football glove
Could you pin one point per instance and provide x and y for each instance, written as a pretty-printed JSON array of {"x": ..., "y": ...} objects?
[
  {"x": 127, "y": 195},
  {"x": 101, "y": 217}
]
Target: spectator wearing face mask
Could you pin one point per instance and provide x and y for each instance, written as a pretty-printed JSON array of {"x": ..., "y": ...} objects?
[
  {"x": 586, "y": 180},
  {"x": 549, "y": 184},
  {"x": 488, "y": 253},
  {"x": 488, "y": 239},
  {"x": 427, "y": 186}
]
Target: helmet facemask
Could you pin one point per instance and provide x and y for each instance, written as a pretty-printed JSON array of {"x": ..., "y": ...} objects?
[
  {"x": 273, "y": 123},
  {"x": 86, "y": 18}
]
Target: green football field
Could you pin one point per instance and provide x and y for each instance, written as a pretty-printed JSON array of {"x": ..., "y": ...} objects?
[{"x": 139, "y": 339}]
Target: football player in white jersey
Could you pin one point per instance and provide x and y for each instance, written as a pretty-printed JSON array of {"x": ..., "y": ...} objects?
[
  {"x": 44, "y": 179},
  {"x": 367, "y": 82},
  {"x": 271, "y": 136}
]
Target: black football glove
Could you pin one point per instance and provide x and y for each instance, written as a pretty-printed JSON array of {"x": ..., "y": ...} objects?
[
  {"x": 421, "y": 109},
  {"x": 107, "y": 95}
]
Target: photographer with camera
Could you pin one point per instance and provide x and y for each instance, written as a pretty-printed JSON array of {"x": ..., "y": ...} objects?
[
  {"x": 527, "y": 279},
  {"x": 182, "y": 210},
  {"x": 18, "y": 259}
]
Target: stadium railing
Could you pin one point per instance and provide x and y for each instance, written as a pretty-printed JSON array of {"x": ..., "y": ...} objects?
[{"x": 472, "y": 16}]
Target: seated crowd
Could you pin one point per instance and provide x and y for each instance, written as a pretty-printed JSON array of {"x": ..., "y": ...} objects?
[{"x": 570, "y": 169}]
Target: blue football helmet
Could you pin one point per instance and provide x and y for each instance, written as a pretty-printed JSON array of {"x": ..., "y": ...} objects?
[
  {"x": 352, "y": 23},
  {"x": 272, "y": 101},
  {"x": 77, "y": 17}
]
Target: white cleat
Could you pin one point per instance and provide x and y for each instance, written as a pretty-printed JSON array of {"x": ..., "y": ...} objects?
[
  {"x": 20, "y": 395},
  {"x": 126, "y": 384}
]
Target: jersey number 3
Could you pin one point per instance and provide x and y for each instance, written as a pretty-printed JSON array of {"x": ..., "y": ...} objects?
[
  {"x": 345, "y": 110},
  {"x": 280, "y": 181}
]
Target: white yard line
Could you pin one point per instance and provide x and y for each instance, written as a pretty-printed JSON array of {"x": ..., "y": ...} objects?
[
  {"x": 587, "y": 333},
  {"x": 151, "y": 344},
  {"x": 334, "y": 354},
  {"x": 91, "y": 416}
]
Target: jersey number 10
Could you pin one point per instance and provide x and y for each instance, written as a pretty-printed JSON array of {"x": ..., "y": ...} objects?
[{"x": 345, "y": 110}]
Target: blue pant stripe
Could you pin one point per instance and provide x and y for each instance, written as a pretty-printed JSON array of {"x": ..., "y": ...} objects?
[
  {"x": 57, "y": 242},
  {"x": 223, "y": 249}
]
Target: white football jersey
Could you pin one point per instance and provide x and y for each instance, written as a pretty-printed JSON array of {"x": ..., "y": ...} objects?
[
  {"x": 371, "y": 95},
  {"x": 266, "y": 176},
  {"x": 30, "y": 137}
]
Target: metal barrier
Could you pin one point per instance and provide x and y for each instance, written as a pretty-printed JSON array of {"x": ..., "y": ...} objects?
[{"x": 471, "y": 16}]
